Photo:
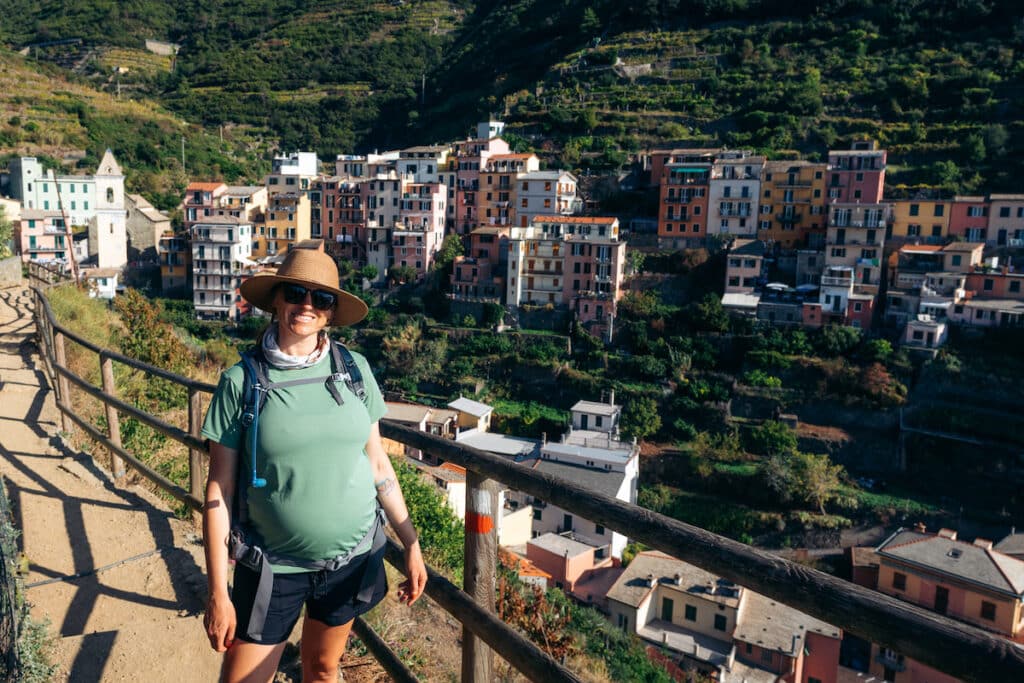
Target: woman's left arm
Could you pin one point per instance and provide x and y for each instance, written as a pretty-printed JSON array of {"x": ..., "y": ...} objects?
[{"x": 393, "y": 503}]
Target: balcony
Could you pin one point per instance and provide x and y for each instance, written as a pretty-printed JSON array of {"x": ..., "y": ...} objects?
[
  {"x": 827, "y": 281},
  {"x": 873, "y": 225},
  {"x": 678, "y": 200},
  {"x": 794, "y": 183},
  {"x": 961, "y": 650},
  {"x": 891, "y": 660},
  {"x": 788, "y": 217}
]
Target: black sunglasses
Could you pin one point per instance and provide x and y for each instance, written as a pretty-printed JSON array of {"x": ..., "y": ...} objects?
[{"x": 321, "y": 299}]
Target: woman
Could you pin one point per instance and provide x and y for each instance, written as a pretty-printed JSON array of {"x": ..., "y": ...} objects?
[{"x": 310, "y": 495}]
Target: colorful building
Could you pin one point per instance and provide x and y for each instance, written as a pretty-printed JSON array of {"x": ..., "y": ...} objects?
[
  {"x": 1006, "y": 220},
  {"x": 792, "y": 203},
  {"x": 857, "y": 174},
  {"x": 683, "y": 199},
  {"x": 734, "y": 194},
  {"x": 970, "y": 582},
  {"x": 968, "y": 219},
  {"x": 221, "y": 259},
  {"x": 416, "y": 237},
  {"x": 706, "y": 624},
  {"x": 921, "y": 219}
]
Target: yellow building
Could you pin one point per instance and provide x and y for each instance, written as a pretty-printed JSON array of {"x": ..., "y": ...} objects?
[
  {"x": 792, "y": 203},
  {"x": 926, "y": 220},
  {"x": 288, "y": 222}
]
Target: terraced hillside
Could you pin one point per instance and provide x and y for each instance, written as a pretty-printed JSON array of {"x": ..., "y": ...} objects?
[{"x": 939, "y": 83}]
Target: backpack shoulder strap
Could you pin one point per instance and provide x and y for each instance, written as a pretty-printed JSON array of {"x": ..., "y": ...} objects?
[{"x": 346, "y": 368}]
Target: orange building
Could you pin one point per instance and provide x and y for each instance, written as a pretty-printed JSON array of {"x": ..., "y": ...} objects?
[
  {"x": 971, "y": 582},
  {"x": 792, "y": 203},
  {"x": 683, "y": 196}
]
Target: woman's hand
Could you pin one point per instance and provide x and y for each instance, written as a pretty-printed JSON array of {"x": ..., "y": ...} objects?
[
  {"x": 220, "y": 622},
  {"x": 411, "y": 589}
]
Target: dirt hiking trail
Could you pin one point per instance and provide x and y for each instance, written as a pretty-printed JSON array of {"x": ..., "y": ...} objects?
[{"x": 117, "y": 576}]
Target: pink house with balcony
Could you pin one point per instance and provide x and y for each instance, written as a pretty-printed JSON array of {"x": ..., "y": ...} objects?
[
  {"x": 42, "y": 236},
  {"x": 968, "y": 219},
  {"x": 202, "y": 200}
]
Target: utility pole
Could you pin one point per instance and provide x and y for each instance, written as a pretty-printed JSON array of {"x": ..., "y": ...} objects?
[
  {"x": 67, "y": 230},
  {"x": 182, "y": 153}
]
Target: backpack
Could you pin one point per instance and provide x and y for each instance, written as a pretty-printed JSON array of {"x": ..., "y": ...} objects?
[{"x": 243, "y": 548}]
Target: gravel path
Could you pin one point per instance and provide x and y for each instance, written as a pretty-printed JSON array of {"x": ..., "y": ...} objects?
[{"x": 116, "y": 575}]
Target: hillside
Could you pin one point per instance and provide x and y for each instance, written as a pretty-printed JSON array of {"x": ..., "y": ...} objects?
[
  {"x": 45, "y": 111},
  {"x": 584, "y": 83}
]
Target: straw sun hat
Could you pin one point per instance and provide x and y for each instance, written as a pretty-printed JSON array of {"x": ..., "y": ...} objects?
[{"x": 311, "y": 268}]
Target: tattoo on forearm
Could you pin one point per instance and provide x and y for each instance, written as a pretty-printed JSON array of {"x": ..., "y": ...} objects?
[{"x": 385, "y": 486}]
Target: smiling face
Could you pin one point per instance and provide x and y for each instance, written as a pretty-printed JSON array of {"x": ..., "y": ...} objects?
[{"x": 299, "y": 325}]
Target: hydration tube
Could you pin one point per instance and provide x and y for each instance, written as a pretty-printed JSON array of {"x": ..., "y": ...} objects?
[{"x": 257, "y": 482}]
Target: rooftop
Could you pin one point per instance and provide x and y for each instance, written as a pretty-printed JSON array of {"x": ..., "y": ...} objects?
[
  {"x": 982, "y": 566},
  {"x": 594, "y": 408},
  {"x": 599, "y": 481},
  {"x": 501, "y": 444},
  {"x": 575, "y": 219},
  {"x": 632, "y": 589},
  {"x": 471, "y": 407},
  {"x": 747, "y": 248},
  {"x": 963, "y": 246},
  {"x": 777, "y": 627},
  {"x": 407, "y": 412},
  {"x": 561, "y": 545},
  {"x": 204, "y": 187}
]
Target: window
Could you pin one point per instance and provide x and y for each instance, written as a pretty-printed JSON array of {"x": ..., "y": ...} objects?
[
  {"x": 623, "y": 622},
  {"x": 599, "y": 530},
  {"x": 690, "y": 613},
  {"x": 720, "y": 622},
  {"x": 899, "y": 581},
  {"x": 1015, "y": 286},
  {"x": 940, "y": 209},
  {"x": 988, "y": 284},
  {"x": 988, "y": 610},
  {"x": 838, "y": 252},
  {"x": 915, "y": 209},
  {"x": 537, "y": 513},
  {"x": 956, "y": 259},
  {"x": 975, "y": 211},
  {"x": 766, "y": 655},
  {"x": 1004, "y": 212}
]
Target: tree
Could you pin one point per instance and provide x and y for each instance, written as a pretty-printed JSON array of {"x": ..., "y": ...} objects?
[
  {"x": 772, "y": 438},
  {"x": 412, "y": 357},
  {"x": 708, "y": 315},
  {"x": 802, "y": 477},
  {"x": 6, "y": 233},
  {"x": 818, "y": 478},
  {"x": 878, "y": 350},
  {"x": 836, "y": 340},
  {"x": 402, "y": 274},
  {"x": 640, "y": 418},
  {"x": 451, "y": 248}
]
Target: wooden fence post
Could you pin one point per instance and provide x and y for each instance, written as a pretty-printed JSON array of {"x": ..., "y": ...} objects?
[
  {"x": 63, "y": 393},
  {"x": 481, "y": 558},
  {"x": 196, "y": 478},
  {"x": 113, "y": 419}
]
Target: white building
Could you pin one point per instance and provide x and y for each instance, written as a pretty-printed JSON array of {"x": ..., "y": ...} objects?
[
  {"x": 292, "y": 172},
  {"x": 97, "y": 201},
  {"x": 590, "y": 456},
  {"x": 221, "y": 258},
  {"x": 733, "y": 194},
  {"x": 545, "y": 193}
]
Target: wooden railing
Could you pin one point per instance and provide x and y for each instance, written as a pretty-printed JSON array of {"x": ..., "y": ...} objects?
[{"x": 959, "y": 649}]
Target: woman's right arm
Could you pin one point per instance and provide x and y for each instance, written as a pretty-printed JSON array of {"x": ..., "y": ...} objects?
[{"x": 220, "y": 490}]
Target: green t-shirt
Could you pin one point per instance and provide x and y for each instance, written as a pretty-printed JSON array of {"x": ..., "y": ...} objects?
[{"x": 319, "y": 500}]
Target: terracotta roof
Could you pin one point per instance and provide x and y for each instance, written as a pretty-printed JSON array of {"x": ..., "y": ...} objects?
[
  {"x": 206, "y": 187},
  {"x": 452, "y": 467}
]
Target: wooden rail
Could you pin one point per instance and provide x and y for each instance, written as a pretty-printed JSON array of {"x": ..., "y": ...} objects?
[{"x": 959, "y": 649}]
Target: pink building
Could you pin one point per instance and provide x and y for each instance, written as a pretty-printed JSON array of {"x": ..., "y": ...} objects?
[
  {"x": 968, "y": 219},
  {"x": 567, "y": 561},
  {"x": 480, "y": 274},
  {"x": 470, "y": 157},
  {"x": 857, "y": 174},
  {"x": 744, "y": 266},
  {"x": 202, "y": 200},
  {"x": 572, "y": 262},
  {"x": 419, "y": 231},
  {"x": 1006, "y": 220},
  {"x": 42, "y": 236}
]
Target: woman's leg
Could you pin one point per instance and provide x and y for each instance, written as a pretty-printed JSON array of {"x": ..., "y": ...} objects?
[
  {"x": 322, "y": 648},
  {"x": 250, "y": 662}
]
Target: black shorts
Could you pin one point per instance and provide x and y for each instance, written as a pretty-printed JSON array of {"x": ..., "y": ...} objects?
[{"x": 329, "y": 597}]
